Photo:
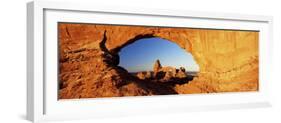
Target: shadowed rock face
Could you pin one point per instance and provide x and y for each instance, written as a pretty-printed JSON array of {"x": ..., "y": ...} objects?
[{"x": 88, "y": 60}]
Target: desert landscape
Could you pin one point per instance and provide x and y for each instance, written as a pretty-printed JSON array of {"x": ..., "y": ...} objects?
[{"x": 91, "y": 64}]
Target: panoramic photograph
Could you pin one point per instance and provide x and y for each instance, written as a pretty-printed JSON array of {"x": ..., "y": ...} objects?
[{"x": 103, "y": 60}]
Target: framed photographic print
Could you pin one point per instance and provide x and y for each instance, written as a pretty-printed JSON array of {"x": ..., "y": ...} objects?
[{"x": 95, "y": 61}]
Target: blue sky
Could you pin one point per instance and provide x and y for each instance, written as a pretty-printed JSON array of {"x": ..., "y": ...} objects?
[{"x": 141, "y": 55}]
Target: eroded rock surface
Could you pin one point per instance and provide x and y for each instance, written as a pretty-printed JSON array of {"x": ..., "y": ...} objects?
[{"x": 88, "y": 59}]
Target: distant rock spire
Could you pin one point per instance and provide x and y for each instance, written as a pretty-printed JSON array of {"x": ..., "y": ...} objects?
[{"x": 157, "y": 66}]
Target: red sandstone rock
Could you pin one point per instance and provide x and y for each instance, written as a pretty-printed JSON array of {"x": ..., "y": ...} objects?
[
  {"x": 88, "y": 59},
  {"x": 141, "y": 75},
  {"x": 148, "y": 75}
]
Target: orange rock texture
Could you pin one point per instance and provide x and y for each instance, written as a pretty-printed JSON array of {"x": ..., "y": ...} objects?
[{"x": 88, "y": 60}]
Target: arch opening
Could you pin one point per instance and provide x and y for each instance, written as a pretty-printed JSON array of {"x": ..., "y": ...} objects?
[{"x": 156, "y": 59}]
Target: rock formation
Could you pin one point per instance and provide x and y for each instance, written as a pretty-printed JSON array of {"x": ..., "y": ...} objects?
[
  {"x": 88, "y": 59},
  {"x": 144, "y": 75},
  {"x": 181, "y": 73},
  {"x": 169, "y": 69},
  {"x": 141, "y": 75},
  {"x": 168, "y": 76},
  {"x": 157, "y": 67},
  {"x": 182, "y": 69},
  {"x": 148, "y": 75},
  {"x": 167, "y": 73}
]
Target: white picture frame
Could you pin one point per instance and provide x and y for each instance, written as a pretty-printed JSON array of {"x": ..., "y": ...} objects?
[{"x": 42, "y": 103}]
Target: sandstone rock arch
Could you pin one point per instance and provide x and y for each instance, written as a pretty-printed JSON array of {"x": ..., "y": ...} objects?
[{"x": 223, "y": 56}]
